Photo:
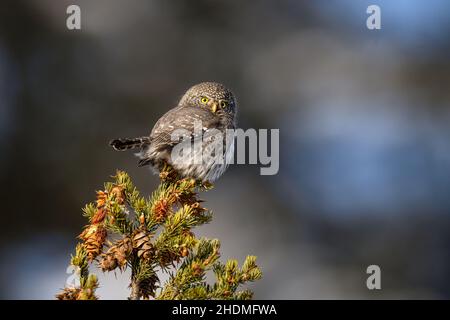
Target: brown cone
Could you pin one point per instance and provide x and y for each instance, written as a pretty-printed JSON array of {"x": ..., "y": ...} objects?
[
  {"x": 119, "y": 194},
  {"x": 117, "y": 255},
  {"x": 142, "y": 243},
  {"x": 148, "y": 286},
  {"x": 93, "y": 237},
  {"x": 69, "y": 294}
]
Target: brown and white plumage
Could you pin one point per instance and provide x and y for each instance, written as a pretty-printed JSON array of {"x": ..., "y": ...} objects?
[{"x": 210, "y": 103}]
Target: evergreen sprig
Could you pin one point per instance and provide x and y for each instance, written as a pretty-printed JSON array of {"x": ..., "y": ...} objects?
[
  {"x": 88, "y": 282},
  {"x": 152, "y": 235}
]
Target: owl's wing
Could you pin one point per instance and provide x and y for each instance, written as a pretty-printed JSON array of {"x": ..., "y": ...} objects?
[{"x": 184, "y": 118}]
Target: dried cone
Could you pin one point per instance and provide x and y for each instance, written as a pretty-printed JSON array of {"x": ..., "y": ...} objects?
[
  {"x": 141, "y": 242},
  {"x": 93, "y": 237},
  {"x": 161, "y": 209},
  {"x": 124, "y": 249},
  {"x": 117, "y": 255},
  {"x": 119, "y": 193},
  {"x": 69, "y": 294},
  {"x": 99, "y": 216},
  {"x": 168, "y": 257},
  {"x": 148, "y": 286},
  {"x": 102, "y": 210},
  {"x": 102, "y": 197},
  {"x": 191, "y": 200},
  {"x": 108, "y": 262}
]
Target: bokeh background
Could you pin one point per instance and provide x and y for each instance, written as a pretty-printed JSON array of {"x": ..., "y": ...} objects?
[{"x": 364, "y": 127}]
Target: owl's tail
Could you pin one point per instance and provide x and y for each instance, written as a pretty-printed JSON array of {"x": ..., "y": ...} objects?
[{"x": 125, "y": 144}]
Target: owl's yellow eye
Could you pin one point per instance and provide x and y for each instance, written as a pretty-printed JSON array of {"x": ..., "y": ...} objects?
[
  {"x": 204, "y": 100},
  {"x": 223, "y": 104}
]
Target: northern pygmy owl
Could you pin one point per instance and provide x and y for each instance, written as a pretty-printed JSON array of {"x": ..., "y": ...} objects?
[{"x": 210, "y": 104}]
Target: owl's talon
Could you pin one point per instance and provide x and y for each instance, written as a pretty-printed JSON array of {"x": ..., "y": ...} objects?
[{"x": 163, "y": 175}]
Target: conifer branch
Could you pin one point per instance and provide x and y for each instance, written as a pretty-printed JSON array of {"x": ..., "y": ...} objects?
[
  {"x": 151, "y": 235},
  {"x": 88, "y": 282}
]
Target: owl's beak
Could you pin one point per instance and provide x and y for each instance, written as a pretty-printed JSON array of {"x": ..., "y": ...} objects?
[{"x": 214, "y": 105}]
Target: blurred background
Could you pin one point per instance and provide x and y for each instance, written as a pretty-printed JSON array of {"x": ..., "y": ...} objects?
[{"x": 364, "y": 135}]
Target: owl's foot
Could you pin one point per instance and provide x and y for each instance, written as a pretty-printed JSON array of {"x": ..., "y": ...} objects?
[{"x": 168, "y": 173}]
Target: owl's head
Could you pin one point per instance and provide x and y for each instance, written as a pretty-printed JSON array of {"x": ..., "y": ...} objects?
[{"x": 211, "y": 95}]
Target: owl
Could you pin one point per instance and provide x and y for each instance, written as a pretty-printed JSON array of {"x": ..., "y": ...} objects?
[{"x": 204, "y": 116}]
